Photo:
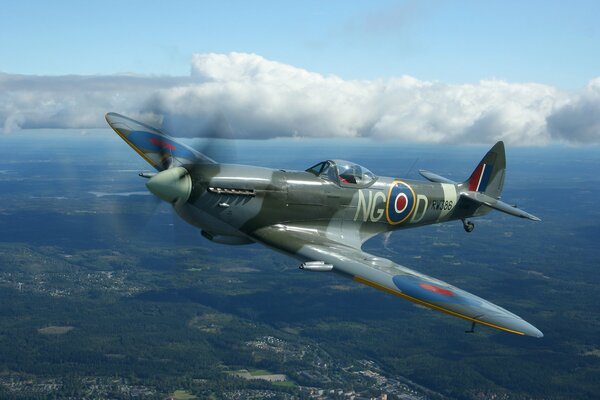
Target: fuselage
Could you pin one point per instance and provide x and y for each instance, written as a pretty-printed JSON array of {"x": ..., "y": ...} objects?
[{"x": 236, "y": 200}]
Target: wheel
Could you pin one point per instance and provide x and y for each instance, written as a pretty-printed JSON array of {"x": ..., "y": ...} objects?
[{"x": 469, "y": 226}]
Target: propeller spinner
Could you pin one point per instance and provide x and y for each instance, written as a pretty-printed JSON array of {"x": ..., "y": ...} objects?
[{"x": 171, "y": 185}]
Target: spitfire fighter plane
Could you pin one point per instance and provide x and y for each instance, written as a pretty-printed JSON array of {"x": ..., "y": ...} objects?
[{"x": 323, "y": 215}]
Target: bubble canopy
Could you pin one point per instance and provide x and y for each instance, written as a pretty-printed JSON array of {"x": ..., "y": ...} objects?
[{"x": 342, "y": 172}]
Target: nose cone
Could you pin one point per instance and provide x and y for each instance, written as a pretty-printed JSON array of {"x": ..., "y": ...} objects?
[{"x": 174, "y": 184}]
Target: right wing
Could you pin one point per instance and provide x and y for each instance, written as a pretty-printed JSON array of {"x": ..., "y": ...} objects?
[{"x": 312, "y": 244}]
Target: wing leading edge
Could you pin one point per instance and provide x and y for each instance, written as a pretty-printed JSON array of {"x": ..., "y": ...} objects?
[{"x": 383, "y": 274}]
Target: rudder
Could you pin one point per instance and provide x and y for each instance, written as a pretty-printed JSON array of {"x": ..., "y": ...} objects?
[{"x": 488, "y": 177}]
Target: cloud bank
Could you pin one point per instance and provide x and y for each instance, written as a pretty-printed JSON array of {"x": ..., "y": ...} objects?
[{"x": 246, "y": 96}]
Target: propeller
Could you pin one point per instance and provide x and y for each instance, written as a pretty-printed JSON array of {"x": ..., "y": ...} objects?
[
  {"x": 173, "y": 182},
  {"x": 211, "y": 132}
]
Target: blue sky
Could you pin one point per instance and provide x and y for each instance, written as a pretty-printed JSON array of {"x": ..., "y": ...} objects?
[
  {"x": 525, "y": 72},
  {"x": 550, "y": 42}
]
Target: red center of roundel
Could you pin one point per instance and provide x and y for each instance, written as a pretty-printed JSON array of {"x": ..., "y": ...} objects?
[
  {"x": 401, "y": 203},
  {"x": 436, "y": 289},
  {"x": 161, "y": 143}
]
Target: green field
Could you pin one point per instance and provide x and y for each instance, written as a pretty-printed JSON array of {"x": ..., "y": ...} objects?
[
  {"x": 183, "y": 395},
  {"x": 285, "y": 384}
]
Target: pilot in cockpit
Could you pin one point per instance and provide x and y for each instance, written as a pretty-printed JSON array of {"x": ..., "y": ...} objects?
[
  {"x": 343, "y": 172},
  {"x": 348, "y": 176}
]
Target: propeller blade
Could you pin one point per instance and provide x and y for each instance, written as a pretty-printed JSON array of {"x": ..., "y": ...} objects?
[
  {"x": 128, "y": 216},
  {"x": 211, "y": 136}
]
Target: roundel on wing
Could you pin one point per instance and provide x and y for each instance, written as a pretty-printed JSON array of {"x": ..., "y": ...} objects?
[
  {"x": 400, "y": 203},
  {"x": 151, "y": 142}
]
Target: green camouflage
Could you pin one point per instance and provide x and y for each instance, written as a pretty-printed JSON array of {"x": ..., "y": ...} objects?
[{"x": 323, "y": 215}]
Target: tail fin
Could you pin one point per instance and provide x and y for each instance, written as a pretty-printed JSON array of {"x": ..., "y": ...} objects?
[
  {"x": 488, "y": 177},
  {"x": 485, "y": 184}
]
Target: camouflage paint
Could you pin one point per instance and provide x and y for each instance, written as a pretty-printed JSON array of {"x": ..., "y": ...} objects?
[{"x": 327, "y": 219}]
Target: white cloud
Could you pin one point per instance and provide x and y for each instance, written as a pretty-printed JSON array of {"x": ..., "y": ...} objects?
[
  {"x": 578, "y": 119},
  {"x": 245, "y": 95}
]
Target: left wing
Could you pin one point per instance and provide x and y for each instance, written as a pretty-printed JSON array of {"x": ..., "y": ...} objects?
[
  {"x": 157, "y": 148},
  {"x": 312, "y": 244}
]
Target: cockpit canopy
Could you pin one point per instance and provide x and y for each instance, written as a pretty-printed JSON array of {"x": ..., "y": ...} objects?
[{"x": 344, "y": 173}]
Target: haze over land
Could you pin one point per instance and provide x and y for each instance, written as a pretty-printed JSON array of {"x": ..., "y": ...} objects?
[{"x": 106, "y": 293}]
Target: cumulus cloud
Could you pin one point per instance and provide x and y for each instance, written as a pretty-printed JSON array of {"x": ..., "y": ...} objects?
[
  {"x": 246, "y": 96},
  {"x": 578, "y": 119}
]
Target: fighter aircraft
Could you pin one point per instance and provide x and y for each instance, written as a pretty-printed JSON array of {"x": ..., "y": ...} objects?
[{"x": 323, "y": 215}]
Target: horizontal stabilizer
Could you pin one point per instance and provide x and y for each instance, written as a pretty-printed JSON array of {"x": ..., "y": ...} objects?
[
  {"x": 430, "y": 176},
  {"x": 498, "y": 205}
]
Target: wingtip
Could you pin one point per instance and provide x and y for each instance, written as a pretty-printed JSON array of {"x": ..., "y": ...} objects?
[
  {"x": 530, "y": 330},
  {"x": 110, "y": 116},
  {"x": 536, "y": 333}
]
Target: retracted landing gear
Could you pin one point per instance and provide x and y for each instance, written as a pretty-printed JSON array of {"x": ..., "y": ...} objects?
[{"x": 468, "y": 225}]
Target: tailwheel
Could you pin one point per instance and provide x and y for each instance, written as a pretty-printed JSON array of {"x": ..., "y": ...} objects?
[{"x": 468, "y": 225}]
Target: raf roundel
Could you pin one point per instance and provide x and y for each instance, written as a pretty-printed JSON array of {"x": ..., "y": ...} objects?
[{"x": 400, "y": 203}]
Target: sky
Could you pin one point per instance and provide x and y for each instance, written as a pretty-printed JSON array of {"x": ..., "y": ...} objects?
[{"x": 430, "y": 71}]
